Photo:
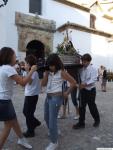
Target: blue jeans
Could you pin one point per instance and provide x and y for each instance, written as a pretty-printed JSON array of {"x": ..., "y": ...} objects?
[{"x": 51, "y": 109}]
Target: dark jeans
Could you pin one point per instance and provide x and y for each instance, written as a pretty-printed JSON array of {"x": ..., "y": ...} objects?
[
  {"x": 28, "y": 110},
  {"x": 88, "y": 97}
]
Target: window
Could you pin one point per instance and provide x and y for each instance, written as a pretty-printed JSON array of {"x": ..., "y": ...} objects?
[
  {"x": 35, "y": 6},
  {"x": 92, "y": 21}
]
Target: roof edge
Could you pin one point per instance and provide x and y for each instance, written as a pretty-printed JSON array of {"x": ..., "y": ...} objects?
[{"x": 83, "y": 28}]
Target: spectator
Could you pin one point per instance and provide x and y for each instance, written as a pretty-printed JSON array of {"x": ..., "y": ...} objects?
[
  {"x": 100, "y": 76},
  {"x": 104, "y": 80}
]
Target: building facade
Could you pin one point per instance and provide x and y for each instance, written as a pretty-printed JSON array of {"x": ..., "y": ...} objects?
[{"x": 46, "y": 23}]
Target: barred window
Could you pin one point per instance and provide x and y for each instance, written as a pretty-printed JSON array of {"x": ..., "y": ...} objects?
[{"x": 35, "y": 6}]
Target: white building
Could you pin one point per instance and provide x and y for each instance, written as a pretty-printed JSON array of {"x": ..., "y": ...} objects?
[{"x": 90, "y": 26}]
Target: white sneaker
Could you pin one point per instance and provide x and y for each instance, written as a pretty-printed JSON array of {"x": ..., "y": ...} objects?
[
  {"x": 76, "y": 117},
  {"x": 52, "y": 146},
  {"x": 24, "y": 142}
]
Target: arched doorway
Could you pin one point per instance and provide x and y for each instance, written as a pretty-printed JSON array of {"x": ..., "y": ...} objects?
[{"x": 36, "y": 48}]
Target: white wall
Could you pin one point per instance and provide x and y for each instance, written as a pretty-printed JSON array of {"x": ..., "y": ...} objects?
[
  {"x": 104, "y": 25},
  {"x": 101, "y": 51},
  {"x": 62, "y": 13},
  {"x": 8, "y": 30},
  {"x": 3, "y": 27}
]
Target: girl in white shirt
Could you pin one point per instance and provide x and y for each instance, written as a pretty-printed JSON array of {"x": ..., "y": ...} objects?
[
  {"x": 32, "y": 89},
  {"x": 54, "y": 79},
  {"x": 7, "y": 77}
]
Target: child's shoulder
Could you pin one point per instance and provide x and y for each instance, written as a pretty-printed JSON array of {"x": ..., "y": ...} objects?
[{"x": 35, "y": 74}]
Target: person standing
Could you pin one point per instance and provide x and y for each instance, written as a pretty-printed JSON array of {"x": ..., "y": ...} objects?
[
  {"x": 87, "y": 87},
  {"x": 32, "y": 90},
  {"x": 104, "y": 80},
  {"x": 8, "y": 75},
  {"x": 54, "y": 79},
  {"x": 100, "y": 76}
]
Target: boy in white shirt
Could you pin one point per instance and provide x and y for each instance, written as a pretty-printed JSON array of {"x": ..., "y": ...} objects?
[{"x": 87, "y": 87}]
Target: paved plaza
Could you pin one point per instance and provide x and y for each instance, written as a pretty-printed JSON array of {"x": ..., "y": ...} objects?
[{"x": 89, "y": 138}]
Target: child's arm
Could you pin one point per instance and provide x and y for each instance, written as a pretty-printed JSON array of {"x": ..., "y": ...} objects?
[
  {"x": 45, "y": 79},
  {"x": 66, "y": 76},
  {"x": 24, "y": 80}
]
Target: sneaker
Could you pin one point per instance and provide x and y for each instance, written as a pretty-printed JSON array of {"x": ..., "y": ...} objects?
[
  {"x": 52, "y": 146},
  {"x": 76, "y": 117},
  {"x": 96, "y": 124},
  {"x": 28, "y": 134},
  {"x": 79, "y": 126},
  {"x": 23, "y": 142}
]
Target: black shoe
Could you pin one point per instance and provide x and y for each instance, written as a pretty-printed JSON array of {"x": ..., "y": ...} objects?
[
  {"x": 96, "y": 124},
  {"x": 37, "y": 124},
  {"x": 79, "y": 126},
  {"x": 28, "y": 134}
]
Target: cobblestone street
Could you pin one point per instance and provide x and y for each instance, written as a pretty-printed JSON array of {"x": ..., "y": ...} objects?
[{"x": 89, "y": 138}]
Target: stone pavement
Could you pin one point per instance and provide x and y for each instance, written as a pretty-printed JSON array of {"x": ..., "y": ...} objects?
[{"x": 89, "y": 138}]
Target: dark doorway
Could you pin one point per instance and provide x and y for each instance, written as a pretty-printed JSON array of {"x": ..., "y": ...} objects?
[{"x": 36, "y": 48}]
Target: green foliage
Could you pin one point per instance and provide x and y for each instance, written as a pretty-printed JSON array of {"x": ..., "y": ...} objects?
[
  {"x": 60, "y": 49},
  {"x": 66, "y": 49}
]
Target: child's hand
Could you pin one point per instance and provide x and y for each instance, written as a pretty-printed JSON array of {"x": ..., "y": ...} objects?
[
  {"x": 34, "y": 68},
  {"x": 82, "y": 86}
]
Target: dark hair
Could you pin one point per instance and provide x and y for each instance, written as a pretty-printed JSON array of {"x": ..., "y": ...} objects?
[
  {"x": 86, "y": 57},
  {"x": 31, "y": 60},
  {"x": 54, "y": 60},
  {"x": 6, "y": 54}
]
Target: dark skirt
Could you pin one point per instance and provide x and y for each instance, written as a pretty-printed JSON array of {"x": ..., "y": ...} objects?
[{"x": 7, "y": 111}]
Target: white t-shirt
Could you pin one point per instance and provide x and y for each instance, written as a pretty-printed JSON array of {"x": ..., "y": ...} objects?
[
  {"x": 89, "y": 76},
  {"x": 6, "y": 83},
  {"x": 33, "y": 88},
  {"x": 55, "y": 82}
]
